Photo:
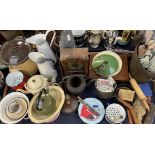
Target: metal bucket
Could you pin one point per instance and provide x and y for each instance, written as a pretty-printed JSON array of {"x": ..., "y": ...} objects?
[{"x": 137, "y": 71}]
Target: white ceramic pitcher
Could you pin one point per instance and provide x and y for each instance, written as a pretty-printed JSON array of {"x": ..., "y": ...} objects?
[
  {"x": 42, "y": 46},
  {"x": 44, "y": 66}
]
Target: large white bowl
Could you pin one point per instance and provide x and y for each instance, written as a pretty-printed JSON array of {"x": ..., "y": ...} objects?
[{"x": 4, "y": 103}]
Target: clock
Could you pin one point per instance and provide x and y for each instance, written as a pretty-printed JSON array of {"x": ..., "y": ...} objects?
[{"x": 74, "y": 60}]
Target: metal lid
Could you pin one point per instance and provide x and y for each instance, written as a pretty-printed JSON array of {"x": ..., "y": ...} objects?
[
  {"x": 35, "y": 82},
  {"x": 14, "y": 52}
]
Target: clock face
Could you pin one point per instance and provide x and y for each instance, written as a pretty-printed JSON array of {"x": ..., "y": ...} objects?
[{"x": 75, "y": 66}]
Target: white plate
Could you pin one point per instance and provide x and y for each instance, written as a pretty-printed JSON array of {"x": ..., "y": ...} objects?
[{"x": 100, "y": 109}]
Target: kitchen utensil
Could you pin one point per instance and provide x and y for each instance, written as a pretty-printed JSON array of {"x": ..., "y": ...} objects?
[
  {"x": 92, "y": 110},
  {"x": 98, "y": 107},
  {"x": 35, "y": 84},
  {"x": 107, "y": 63},
  {"x": 58, "y": 94},
  {"x": 134, "y": 116},
  {"x": 79, "y": 37},
  {"x": 75, "y": 83},
  {"x": 42, "y": 46},
  {"x": 115, "y": 113},
  {"x": 125, "y": 103},
  {"x": 16, "y": 108},
  {"x": 14, "y": 53},
  {"x": 71, "y": 104},
  {"x": 131, "y": 109},
  {"x": 129, "y": 117},
  {"x": 139, "y": 92},
  {"x": 45, "y": 104},
  {"x": 16, "y": 80},
  {"x": 110, "y": 39},
  {"x": 109, "y": 85},
  {"x": 45, "y": 68},
  {"x": 8, "y": 101}
]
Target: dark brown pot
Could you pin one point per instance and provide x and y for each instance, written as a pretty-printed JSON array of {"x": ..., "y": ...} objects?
[{"x": 137, "y": 71}]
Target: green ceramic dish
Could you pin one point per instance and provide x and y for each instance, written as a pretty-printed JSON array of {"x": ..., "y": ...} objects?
[{"x": 106, "y": 63}]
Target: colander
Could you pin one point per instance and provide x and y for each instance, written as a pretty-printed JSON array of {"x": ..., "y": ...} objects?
[
  {"x": 16, "y": 80},
  {"x": 115, "y": 113}
]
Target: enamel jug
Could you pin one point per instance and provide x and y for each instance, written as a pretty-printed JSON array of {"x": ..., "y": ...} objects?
[
  {"x": 42, "y": 46},
  {"x": 45, "y": 68}
]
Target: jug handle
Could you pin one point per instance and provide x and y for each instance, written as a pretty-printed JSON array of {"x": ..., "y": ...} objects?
[
  {"x": 24, "y": 91},
  {"x": 47, "y": 32}
]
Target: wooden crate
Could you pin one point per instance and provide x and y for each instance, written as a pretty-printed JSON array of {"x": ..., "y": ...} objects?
[{"x": 74, "y": 57}]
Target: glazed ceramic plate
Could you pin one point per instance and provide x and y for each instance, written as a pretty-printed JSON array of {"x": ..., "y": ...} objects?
[
  {"x": 113, "y": 63},
  {"x": 115, "y": 113},
  {"x": 100, "y": 109}
]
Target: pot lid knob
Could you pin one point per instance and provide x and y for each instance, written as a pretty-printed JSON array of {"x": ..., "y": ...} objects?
[{"x": 35, "y": 82}]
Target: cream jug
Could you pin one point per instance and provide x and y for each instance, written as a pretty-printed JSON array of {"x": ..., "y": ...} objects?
[
  {"x": 42, "y": 46},
  {"x": 44, "y": 66}
]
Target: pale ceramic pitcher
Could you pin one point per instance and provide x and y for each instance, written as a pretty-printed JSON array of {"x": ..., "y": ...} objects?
[
  {"x": 44, "y": 65},
  {"x": 42, "y": 45}
]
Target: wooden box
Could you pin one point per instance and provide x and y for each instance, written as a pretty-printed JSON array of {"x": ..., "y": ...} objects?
[
  {"x": 74, "y": 60},
  {"x": 123, "y": 75}
]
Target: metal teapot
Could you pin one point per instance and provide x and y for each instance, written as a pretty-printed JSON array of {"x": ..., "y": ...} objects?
[
  {"x": 75, "y": 83},
  {"x": 35, "y": 84}
]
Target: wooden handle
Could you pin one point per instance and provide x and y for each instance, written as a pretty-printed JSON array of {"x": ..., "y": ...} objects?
[
  {"x": 129, "y": 117},
  {"x": 88, "y": 106},
  {"x": 134, "y": 117},
  {"x": 144, "y": 102},
  {"x": 126, "y": 104},
  {"x": 139, "y": 93}
]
